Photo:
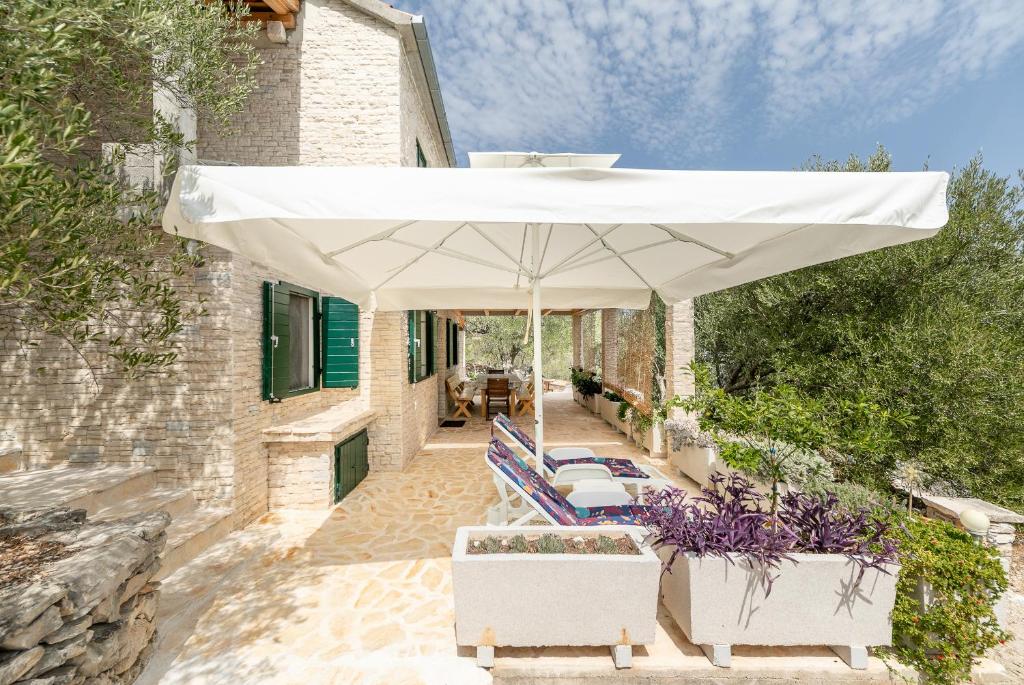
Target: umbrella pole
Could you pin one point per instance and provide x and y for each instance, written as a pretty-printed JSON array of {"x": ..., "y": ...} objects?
[{"x": 538, "y": 371}]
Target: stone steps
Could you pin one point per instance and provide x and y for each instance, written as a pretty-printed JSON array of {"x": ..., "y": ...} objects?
[
  {"x": 109, "y": 493},
  {"x": 175, "y": 501}
]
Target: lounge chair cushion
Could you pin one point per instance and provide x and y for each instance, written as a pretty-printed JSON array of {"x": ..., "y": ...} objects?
[{"x": 620, "y": 468}]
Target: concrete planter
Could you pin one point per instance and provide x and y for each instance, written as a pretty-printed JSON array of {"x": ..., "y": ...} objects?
[
  {"x": 697, "y": 462},
  {"x": 812, "y": 602},
  {"x": 534, "y": 600},
  {"x": 610, "y": 413},
  {"x": 590, "y": 403}
]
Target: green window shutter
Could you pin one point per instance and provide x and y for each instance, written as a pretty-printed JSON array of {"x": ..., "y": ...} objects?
[
  {"x": 275, "y": 341},
  {"x": 430, "y": 335},
  {"x": 455, "y": 345},
  {"x": 340, "y": 357},
  {"x": 268, "y": 330}
]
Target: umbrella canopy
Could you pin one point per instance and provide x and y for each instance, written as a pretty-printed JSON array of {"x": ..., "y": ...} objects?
[
  {"x": 411, "y": 238},
  {"x": 553, "y": 237}
]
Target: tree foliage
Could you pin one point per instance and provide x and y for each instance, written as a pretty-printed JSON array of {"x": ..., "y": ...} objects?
[
  {"x": 79, "y": 258},
  {"x": 498, "y": 342},
  {"x": 931, "y": 332}
]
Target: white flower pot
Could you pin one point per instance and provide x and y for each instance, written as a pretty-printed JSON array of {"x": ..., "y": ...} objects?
[
  {"x": 698, "y": 463},
  {"x": 542, "y": 600},
  {"x": 812, "y": 602},
  {"x": 591, "y": 403},
  {"x": 610, "y": 413}
]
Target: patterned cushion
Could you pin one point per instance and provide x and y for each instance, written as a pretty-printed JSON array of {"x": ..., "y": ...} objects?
[
  {"x": 628, "y": 515},
  {"x": 620, "y": 468},
  {"x": 552, "y": 501}
]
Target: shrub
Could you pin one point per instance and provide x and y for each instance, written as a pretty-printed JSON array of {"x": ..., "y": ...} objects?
[
  {"x": 942, "y": 640},
  {"x": 612, "y": 396},
  {"x": 731, "y": 517},
  {"x": 586, "y": 382}
]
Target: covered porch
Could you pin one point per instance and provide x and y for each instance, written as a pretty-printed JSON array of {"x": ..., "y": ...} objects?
[{"x": 362, "y": 593}]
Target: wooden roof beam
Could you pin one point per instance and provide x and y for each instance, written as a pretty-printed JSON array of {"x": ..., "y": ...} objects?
[
  {"x": 263, "y": 17},
  {"x": 282, "y": 6}
]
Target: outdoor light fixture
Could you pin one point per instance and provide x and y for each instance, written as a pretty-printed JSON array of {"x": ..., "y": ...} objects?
[{"x": 976, "y": 523}]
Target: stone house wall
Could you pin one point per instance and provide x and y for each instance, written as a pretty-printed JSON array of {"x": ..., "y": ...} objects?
[{"x": 344, "y": 90}]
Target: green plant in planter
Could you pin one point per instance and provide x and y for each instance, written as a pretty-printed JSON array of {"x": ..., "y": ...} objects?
[
  {"x": 612, "y": 396},
  {"x": 942, "y": 640},
  {"x": 518, "y": 544},
  {"x": 550, "y": 544}
]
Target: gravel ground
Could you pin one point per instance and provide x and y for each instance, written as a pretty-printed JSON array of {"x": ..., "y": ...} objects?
[{"x": 1011, "y": 655}]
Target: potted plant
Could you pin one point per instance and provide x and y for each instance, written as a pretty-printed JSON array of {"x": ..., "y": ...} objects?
[
  {"x": 804, "y": 571},
  {"x": 610, "y": 407},
  {"x": 693, "y": 451},
  {"x": 589, "y": 387},
  {"x": 503, "y": 580}
]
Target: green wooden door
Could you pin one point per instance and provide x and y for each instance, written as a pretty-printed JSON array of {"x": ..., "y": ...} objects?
[{"x": 350, "y": 464}]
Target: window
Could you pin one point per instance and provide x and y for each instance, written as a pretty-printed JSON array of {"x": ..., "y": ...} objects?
[
  {"x": 309, "y": 341},
  {"x": 421, "y": 159},
  {"x": 300, "y": 347},
  {"x": 421, "y": 345}
]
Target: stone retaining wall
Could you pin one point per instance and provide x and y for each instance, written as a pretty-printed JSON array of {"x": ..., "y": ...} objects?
[{"x": 86, "y": 618}]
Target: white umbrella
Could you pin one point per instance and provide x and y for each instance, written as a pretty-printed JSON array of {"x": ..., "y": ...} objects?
[{"x": 410, "y": 238}]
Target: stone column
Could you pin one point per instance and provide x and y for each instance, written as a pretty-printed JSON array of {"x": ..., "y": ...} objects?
[
  {"x": 610, "y": 347},
  {"x": 577, "y": 340},
  {"x": 680, "y": 349}
]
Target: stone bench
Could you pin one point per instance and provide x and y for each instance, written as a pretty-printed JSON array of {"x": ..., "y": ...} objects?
[{"x": 300, "y": 455}]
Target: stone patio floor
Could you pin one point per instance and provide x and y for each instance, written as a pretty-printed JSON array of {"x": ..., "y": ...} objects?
[{"x": 362, "y": 593}]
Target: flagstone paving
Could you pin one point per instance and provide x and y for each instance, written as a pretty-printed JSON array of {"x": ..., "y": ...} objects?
[{"x": 362, "y": 593}]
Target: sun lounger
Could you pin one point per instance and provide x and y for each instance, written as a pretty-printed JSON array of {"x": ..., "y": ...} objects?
[
  {"x": 540, "y": 498},
  {"x": 625, "y": 471}
]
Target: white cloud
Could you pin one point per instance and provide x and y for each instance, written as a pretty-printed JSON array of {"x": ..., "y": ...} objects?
[{"x": 682, "y": 79}]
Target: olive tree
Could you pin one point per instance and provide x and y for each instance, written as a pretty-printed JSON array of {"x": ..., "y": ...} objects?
[
  {"x": 930, "y": 331},
  {"x": 79, "y": 255}
]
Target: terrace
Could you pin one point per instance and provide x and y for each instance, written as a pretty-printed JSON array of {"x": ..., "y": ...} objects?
[{"x": 363, "y": 592}]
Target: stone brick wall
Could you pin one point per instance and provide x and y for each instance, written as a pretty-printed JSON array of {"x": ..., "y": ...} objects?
[
  {"x": 610, "y": 347},
  {"x": 680, "y": 350},
  {"x": 418, "y": 122},
  {"x": 60, "y": 411},
  {"x": 331, "y": 96},
  {"x": 343, "y": 91}
]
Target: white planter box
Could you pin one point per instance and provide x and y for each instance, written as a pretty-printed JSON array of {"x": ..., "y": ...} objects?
[
  {"x": 591, "y": 403},
  {"x": 696, "y": 462},
  {"x": 610, "y": 413},
  {"x": 541, "y": 600},
  {"x": 812, "y": 602}
]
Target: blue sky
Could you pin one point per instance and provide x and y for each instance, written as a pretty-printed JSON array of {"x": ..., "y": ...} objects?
[{"x": 755, "y": 84}]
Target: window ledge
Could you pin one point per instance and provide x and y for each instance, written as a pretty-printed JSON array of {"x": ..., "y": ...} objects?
[{"x": 330, "y": 425}]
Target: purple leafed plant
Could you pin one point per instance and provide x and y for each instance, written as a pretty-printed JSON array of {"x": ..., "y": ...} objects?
[{"x": 731, "y": 517}]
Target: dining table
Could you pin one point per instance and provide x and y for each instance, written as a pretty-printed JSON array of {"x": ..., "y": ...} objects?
[{"x": 513, "y": 385}]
